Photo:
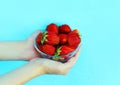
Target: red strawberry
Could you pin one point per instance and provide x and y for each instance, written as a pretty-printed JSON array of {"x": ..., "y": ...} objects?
[
  {"x": 76, "y": 31},
  {"x": 39, "y": 38},
  {"x": 72, "y": 47},
  {"x": 50, "y": 38},
  {"x": 64, "y": 28},
  {"x": 63, "y": 50},
  {"x": 52, "y": 28},
  {"x": 48, "y": 49},
  {"x": 73, "y": 39},
  {"x": 63, "y": 38}
]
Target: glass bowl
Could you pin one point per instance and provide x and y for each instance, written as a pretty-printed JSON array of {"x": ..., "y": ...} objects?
[{"x": 56, "y": 58}]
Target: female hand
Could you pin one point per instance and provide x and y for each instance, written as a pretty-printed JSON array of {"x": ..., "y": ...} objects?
[
  {"x": 30, "y": 52},
  {"x": 53, "y": 67},
  {"x": 19, "y": 50},
  {"x": 37, "y": 67}
]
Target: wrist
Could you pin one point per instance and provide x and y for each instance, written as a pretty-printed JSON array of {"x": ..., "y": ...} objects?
[
  {"x": 12, "y": 50},
  {"x": 39, "y": 68},
  {"x": 23, "y": 74},
  {"x": 28, "y": 52},
  {"x": 23, "y": 53}
]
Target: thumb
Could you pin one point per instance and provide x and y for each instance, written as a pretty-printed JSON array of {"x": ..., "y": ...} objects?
[{"x": 34, "y": 35}]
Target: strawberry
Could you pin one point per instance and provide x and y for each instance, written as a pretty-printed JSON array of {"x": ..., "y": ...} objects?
[
  {"x": 76, "y": 31},
  {"x": 63, "y": 38},
  {"x": 63, "y": 50},
  {"x": 73, "y": 39},
  {"x": 39, "y": 38},
  {"x": 72, "y": 47},
  {"x": 48, "y": 49},
  {"x": 52, "y": 28},
  {"x": 50, "y": 38},
  {"x": 64, "y": 28}
]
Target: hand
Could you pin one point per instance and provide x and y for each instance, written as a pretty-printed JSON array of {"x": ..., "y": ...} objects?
[
  {"x": 37, "y": 67},
  {"x": 54, "y": 67},
  {"x": 30, "y": 51},
  {"x": 19, "y": 50}
]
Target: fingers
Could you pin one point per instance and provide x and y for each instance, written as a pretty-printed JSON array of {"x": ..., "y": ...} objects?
[
  {"x": 33, "y": 36},
  {"x": 73, "y": 60},
  {"x": 35, "y": 33}
]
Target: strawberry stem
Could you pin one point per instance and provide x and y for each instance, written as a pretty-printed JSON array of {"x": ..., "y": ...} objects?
[
  {"x": 57, "y": 58},
  {"x": 57, "y": 53},
  {"x": 44, "y": 37}
]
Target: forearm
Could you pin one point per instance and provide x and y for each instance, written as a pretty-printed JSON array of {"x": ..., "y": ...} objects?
[
  {"x": 11, "y": 50},
  {"x": 22, "y": 74}
]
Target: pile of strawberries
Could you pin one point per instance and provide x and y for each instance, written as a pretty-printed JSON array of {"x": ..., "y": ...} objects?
[{"x": 58, "y": 41}]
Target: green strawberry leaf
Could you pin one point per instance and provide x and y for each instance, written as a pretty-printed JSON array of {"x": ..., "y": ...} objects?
[
  {"x": 44, "y": 37},
  {"x": 56, "y": 58},
  {"x": 57, "y": 53}
]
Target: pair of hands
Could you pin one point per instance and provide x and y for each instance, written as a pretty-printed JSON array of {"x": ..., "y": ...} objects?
[
  {"x": 36, "y": 66},
  {"x": 49, "y": 66}
]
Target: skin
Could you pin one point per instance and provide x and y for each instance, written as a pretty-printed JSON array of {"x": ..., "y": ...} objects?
[
  {"x": 21, "y": 50},
  {"x": 42, "y": 66},
  {"x": 35, "y": 67}
]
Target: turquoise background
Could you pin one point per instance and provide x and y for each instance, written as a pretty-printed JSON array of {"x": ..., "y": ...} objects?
[{"x": 98, "y": 22}]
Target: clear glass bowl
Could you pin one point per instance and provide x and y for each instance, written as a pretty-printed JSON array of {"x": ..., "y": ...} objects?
[{"x": 44, "y": 55}]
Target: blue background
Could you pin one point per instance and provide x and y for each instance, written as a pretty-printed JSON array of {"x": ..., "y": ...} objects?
[{"x": 98, "y": 22}]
